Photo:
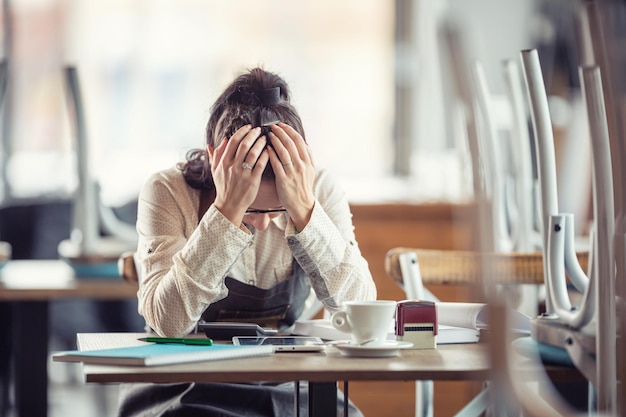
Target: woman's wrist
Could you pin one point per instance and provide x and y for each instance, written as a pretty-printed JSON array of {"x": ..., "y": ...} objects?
[
  {"x": 234, "y": 214},
  {"x": 301, "y": 217}
]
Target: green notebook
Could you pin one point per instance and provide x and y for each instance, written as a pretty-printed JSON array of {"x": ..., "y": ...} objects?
[{"x": 161, "y": 354}]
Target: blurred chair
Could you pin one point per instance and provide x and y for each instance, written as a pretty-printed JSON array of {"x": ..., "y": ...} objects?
[
  {"x": 415, "y": 269},
  {"x": 127, "y": 267},
  {"x": 601, "y": 31},
  {"x": 586, "y": 329},
  {"x": 508, "y": 228},
  {"x": 450, "y": 267},
  {"x": 87, "y": 251}
]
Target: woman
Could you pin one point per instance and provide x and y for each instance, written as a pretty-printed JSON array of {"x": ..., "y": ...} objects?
[{"x": 243, "y": 230}]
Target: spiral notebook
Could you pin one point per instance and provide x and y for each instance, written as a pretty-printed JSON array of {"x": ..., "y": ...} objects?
[{"x": 161, "y": 354}]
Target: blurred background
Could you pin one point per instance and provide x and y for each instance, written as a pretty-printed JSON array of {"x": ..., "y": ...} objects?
[{"x": 368, "y": 78}]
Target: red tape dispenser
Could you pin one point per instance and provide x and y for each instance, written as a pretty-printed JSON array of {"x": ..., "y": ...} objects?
[{"x": 416, "y": 322}]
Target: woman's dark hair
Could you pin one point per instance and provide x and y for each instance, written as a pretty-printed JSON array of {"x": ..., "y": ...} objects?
[{"x": 257, "y": 97}]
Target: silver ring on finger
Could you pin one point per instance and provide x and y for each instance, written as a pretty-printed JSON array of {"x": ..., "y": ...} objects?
[
  {"x": 246, "y": 166},
  {"x": 288, "y": 164}
]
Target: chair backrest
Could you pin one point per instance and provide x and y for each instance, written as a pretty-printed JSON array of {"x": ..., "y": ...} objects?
[
  {"x": 462, "y": 267},
  {"x": 127, "y": 268}
]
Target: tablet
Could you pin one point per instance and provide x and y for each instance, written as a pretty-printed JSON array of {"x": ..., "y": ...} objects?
[{"x": 284, "y": 343}]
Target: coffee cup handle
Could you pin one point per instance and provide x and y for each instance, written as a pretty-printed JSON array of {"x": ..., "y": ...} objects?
[{"x": 339, "y": 320}]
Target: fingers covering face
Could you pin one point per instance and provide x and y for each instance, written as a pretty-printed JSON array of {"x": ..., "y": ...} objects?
[
  {"x": 251, "y": 154},
  {"x": 245, "y": 146}
]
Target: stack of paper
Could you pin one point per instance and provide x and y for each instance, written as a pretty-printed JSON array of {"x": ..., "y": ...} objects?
[
  {"x": 325, "y": 330},
  {"x": 474, "y": 316},
  {"x": 458, "y": 323}
]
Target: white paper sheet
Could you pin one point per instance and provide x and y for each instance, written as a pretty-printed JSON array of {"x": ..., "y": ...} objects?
[{"x": 474, "y": 316}]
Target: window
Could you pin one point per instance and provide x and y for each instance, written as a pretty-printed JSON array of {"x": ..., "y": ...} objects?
[
  {"x": 365, "y": 76},
  {"x": 149, "y": 72}
]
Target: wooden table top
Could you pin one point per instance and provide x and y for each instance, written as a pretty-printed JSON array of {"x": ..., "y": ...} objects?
[
  {"x": 447, "y": 362},
  {"x": 39, "y": 280},
  {"x": 452, "y": 362}
]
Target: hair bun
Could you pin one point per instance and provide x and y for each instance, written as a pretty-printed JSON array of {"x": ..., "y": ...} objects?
[
  {"x": 253, "y": 97},
  {"x": 270, "y": 96}
]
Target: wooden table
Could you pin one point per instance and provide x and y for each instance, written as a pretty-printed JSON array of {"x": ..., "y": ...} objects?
[
  {"x": 321, "y": 370},
  {"x": 448, "y": 362},
  {"x": 28, "y": 286}
]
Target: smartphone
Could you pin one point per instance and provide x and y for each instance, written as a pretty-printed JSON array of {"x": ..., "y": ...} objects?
[
  {"x": 223, "y": 330},
  {"x": 284, "y": 343}
]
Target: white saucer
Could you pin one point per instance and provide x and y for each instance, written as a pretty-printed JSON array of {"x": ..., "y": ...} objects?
[{"x": 389, "y": 348}]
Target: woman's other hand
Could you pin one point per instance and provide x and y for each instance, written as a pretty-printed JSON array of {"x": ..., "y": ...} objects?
[
  {"x": 237, "y": 165},
  {"x": 294, "y": 169}
]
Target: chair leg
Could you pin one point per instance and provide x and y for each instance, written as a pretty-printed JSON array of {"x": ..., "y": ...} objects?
[
  {"x": 424, "y": 394},
  {"x": 477, "y": 406}
]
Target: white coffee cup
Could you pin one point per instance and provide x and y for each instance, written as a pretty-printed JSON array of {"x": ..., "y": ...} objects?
[{"x": 368, "y": 322}]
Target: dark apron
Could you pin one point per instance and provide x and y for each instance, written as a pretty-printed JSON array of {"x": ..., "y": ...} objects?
[{"x": 278, "y": 307}]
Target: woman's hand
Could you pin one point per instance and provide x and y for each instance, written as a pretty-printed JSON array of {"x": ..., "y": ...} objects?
[
  {"x": 237, "y": 165},
  {"x": 294, "y": 169}
]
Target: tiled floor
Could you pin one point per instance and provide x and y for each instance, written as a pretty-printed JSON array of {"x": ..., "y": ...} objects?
[
  {"x": 69, "y": 396},
  {"x": 72, "y": 400}
]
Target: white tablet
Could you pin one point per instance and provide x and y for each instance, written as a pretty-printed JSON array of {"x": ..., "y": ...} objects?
[{"x": 284, "y": 343}]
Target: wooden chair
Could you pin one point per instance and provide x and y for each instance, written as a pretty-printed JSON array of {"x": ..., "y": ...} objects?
[
  {"x": 127, "y": 268},
  {"x": 450, "y": 267}
]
